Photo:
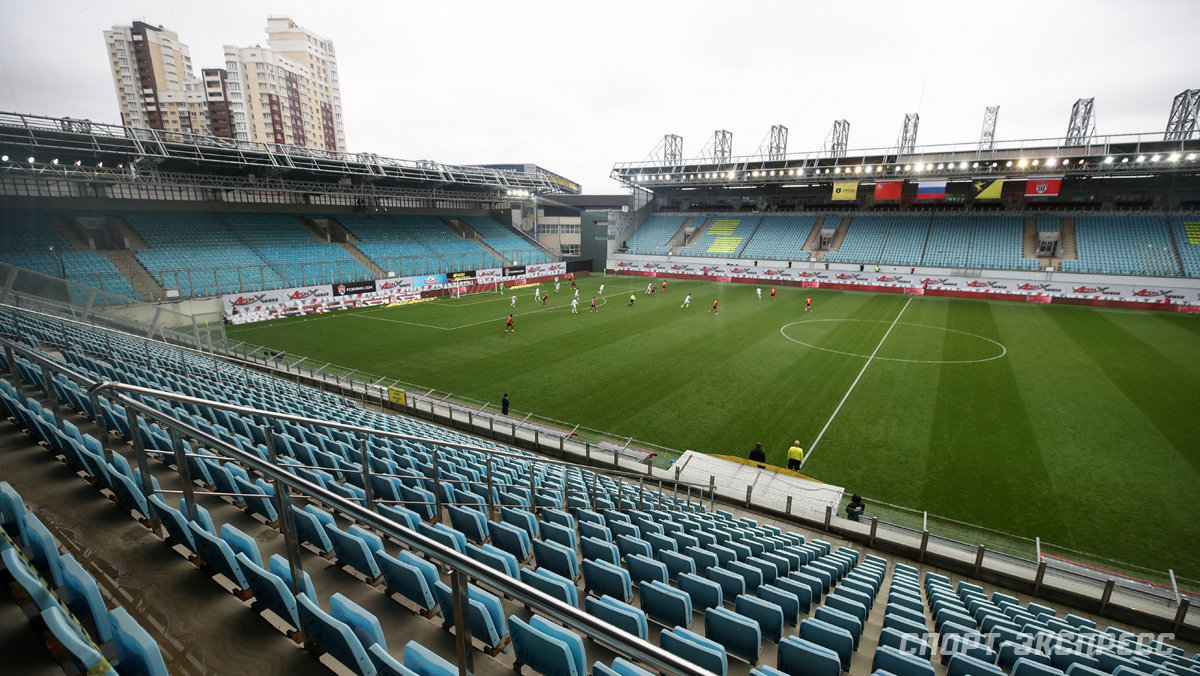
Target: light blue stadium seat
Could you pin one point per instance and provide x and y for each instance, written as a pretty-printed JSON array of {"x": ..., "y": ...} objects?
[
  {"x": 137, "y": 653},
  {"x": 408, "y": 579},
  {"x": 900, "y": 663},
  {"x": 270, "y": 592},
  {"x": 814, "y": 583},
  {"x": 835, "y": 638},
  {"x": 643, "y": 568},
  {"x": 553, "y": 584},
  {"x": 676, "y": 563},
  {"x": 523, "y": 519},
  {"x": 363, "y": 623},
  {"x": 486, "y": 615},
  {"x": 705, "y": 593},
  {"x": 1063, "y": 658},
  {"x": 703, "y": 652},
  {"x": 731, "y": 583},
  {"x": 619, "y": 667},
  {"x": 470, "y": 522},
  {"x": 385, "y": 664},
  {"x": 12, "y": 507},
  {"x": 908, "y": 643},
  {"x": 702, "y": 558},
  {"x": 330, "y": 635},
  {"x": 544, "y": 653},
  {"x": 219, "y": 557},
  {"x": 798, "y": 656},
  {"x": 559, "y": 533},
  {"x": 598, "y": 531},
  {"x": 769, "y": 615},
  {"x": 353, "y": 551},
  {"x": 605, "y": 579},
  {"x": 666, "y": 605},
  {"x": 628, "y": 544},
  {"x": 241, "y": 543},
  {"x": 555, "y": 557},
  {"x": 595, "y": 548},
  {"x": 174, "y": 522},
  {"x": 310, "y": 530},
  {"x": 619, "y": 614},
  {"x": 740, "y": 635},
  {"x": 79, "y": 649},
  {"x": 962, "y": 664},
  {"x": 281, "y": 568},
  {"x": 43, "y": 551},
  {"x": 801, "y": 591},
  {"x": 839, "y": 601},
  {"x": 82, "y": 596},
  {"x": 838, "y": 618},
  {"x": 511, "y": 539},
  {"x": 424, "y": 662},
  {"x": 445, "y": 535},
  {"x": 1025, "y": 666}
]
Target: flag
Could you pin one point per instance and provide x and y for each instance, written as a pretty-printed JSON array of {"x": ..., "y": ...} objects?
[
  {"x": 1042, "y": 187},
  {"x": 988, "y": 190},
  {"x": 931, "y": 190},
  {"x": 888, "y": 190},
  {"x": 845, "y": 191}
]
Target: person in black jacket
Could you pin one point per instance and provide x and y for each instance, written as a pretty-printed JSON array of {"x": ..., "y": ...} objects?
[
  {"x": 855, "y": 507},
  {"x": 757, "y": 454},
  {"x": 504, "y": 404}
]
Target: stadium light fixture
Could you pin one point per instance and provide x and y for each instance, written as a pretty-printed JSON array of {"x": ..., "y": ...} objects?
[
  {"x": 78, "y": 162},
  {"x": 858, "y": 170},
  {"x": 836, "y": 170},
  {"x": 1065, "y": 162},
  {"x": 1141, "y": 158},
  {"x": 729, "y": 176},
  {"x": 1191, "y": 157},
  {"x": 1156, "y": 158},
  {"x": 1174, "y": 157},
  {"x": 1035, "y": 163},
  {"x": 54, "y": 161},
  {"x": 941, "y": 167},
  {"x": 974, "y": 165},
  {"x": 1022, "y": 163},
  {"x": 3, "y": 158},
  {"x": 792, "y": 172},
  {"x": 995, "y": 164},
  {"x": 1108, "y": 160},
  {"x": 100, "y": 164},
  {"x": 1124, "y": 160},
  {"x": 801, "y": 172},
  {"x": 1008, "y": 163},
  {"x": 754, "y": 173},
  {"x": 929, "y": 167},
  {"x": 908, "y": 167},
  {"x": 878, "y": 169},
  {"x": 962, "y": 165},
  {"x": 29, "y": 159}
]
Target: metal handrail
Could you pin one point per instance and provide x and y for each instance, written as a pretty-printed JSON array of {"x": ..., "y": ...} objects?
[{"x": 574, "y": 618}]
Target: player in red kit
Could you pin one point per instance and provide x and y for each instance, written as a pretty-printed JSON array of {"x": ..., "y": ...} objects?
[
  {"x": 714, "y": 309},
  {"x": 509, "y": 326},
  {"x": 808, "y": 304},
  {"x": 772, "y": 293}
]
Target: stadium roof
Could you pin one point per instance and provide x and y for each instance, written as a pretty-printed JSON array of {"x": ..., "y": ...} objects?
[
  {"x": 1127, "y": 154},
  {"x": 107, "y": 149}
]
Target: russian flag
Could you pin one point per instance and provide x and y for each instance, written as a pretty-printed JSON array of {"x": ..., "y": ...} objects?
[{"x": 931, "y": 190}]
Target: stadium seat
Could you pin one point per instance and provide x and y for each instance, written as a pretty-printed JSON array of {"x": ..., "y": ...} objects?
[
  {"x": 837, "y": 618},
  {"x": 411, "y": 577},
  {"x": 703, "y": 652},
  {"x": 544, "y": 653},
  {"x": 511, "y": 539},
  {"x": 894, "y": 661},
  {"x": 827, "y": 635},
  {"x": 552, "y": 584},
  {"x": 605, "y": 579},
  {"x": 961, "y": 664},
  {"x": 270, "y": 592},
  {"x": 798, "y": 656},
  {"x": 78, "y": 648},
  {"x": 218, "y": 556},
  {"x": 619, "y": 667},
  {"x": 424, "y": 662},
  {"x": 595, "y": 548},
  {"x": 1025, "y": 666},
  {"x": 82, "y": 597},
  {"x": 666, "y": 605},
  {"x": 496, "y": 558},
  {"x": 643, "y": 568},
  {"x": 486, "y": 615},
  {"x": 555, "y": 557},
  {"x": 330, "y": 635},
  {"x": 619, "y": 614}
]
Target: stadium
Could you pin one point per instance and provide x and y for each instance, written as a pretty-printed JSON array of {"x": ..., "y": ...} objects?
[{"x": 283, "y": 409}]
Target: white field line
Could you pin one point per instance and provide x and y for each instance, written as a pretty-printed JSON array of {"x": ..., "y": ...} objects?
[{"x": 812, "y": 448}]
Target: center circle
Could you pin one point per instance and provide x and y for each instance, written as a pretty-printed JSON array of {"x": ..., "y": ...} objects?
[{"x": 1003, "y": 350}]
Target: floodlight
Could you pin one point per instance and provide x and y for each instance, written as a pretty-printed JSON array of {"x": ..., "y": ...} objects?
[
  {"x": 1141, "y": 158},
  {"x": 996, "y": 164},
  {"x": 754, "y": 173},
  {"x": 908, "y": 167},
  {"x": 1022, "y": 162},
  {"x": 1191, "y": 156},
  {"x": 1035, "y": 163},
  {"x": 858, "y": 170},
  {"x": 974, "y": 165},
  {"x": 929, "y": 167},
  {"x": 1108, "y": 160},
  {"x": 1065, "y": 162},
  {"x": 1008, "y": 163},
  {"x": 54, "y": 161},
  {"x": 962, "y": 165},
  {"x": 1124, "y": 160},
  {"x": 29, "y": 159},
  {"x": 1156, "y": 158},
  {"x": 836, "y": 170},
  {"x": 3, "y": 158},
  {"x": 1174, "y": 157},
  {"x": 100, "y": 164},
  {"x": 941, "y": 167},
  {"x": 801, "y": 172},
  {"x": 78, "y": 162},
  {"x": 792, "y": 172}
]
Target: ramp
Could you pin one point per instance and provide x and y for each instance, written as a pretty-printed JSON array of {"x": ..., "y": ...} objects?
[{"x": 771, "y": 485}]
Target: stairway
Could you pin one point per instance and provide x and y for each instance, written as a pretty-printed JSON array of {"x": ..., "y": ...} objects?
[
  {"x": 143, "y": 282},
  {"x": 363, "y": 259},
  {"x": 843, "y": 227},
  {"x": 1029, "y": 239},
  {"x": 680, "y": 234},
  {"x": 466, "y": 232},
  {"x": 1067, "y": 246},
  {"x": 813, "y": 242},
  {"x": 131, "y": 237},
  {"x": 70, "y": 232},
  {"x": 696, "y": 235}
]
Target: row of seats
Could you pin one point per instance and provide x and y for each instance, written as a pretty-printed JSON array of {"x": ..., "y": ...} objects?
[
  {"x": 1124, "y": 245},
  {"x": 63, "y": 597},
  {"x": 28, "y": 236}
]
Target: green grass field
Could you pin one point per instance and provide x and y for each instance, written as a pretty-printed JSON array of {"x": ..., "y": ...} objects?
[{"x": 1078, "y": 425}]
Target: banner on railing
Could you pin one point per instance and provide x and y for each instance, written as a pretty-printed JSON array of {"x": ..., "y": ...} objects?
[
  {"x": 396, "y": 285},
  {"x": 352, "y": 288},
  {"x": 514, "y": 271},
  {"x": 236, "y": 304},
  {"x": 488, "y": 275},
  {"x": 427, "y": 282},
  {"x": 397, "y": 396},
  {"x": 461, "y": 276}
]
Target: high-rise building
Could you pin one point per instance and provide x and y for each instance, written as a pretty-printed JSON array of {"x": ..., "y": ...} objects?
[
  {"x": 152, "y": 72},
  {"x": 287, "y": 92}
]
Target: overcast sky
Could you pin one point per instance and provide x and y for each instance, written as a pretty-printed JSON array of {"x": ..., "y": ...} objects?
[{"x": 575, "y": 86}]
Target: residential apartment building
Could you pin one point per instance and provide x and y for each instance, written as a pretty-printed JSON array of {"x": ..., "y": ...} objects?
[{"x": 287, "y": 92}]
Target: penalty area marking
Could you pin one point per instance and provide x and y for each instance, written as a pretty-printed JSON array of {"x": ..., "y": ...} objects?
[{"x": 1003, "y": 349}]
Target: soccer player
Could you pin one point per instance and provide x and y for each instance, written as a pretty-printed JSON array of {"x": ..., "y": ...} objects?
[
  {"x": 575, "y": 305},
  {"x": 772, "y": 293},
  {"x": 544, "y": 299},
  {"x": 593, "y": 304},
  {"x": 808, "y": 304},
  {"x": 509, "y": 326},
  {"x": 664, "y": 285},
  {"x": 537, "y": 293},
  {"x": 576, "y": 294},
  {"x": 632, "y": 297},
  {"x": 650, "y": 288},
  {"x": 556, "y": 285},
  {"x": 513, "y": 301},
  {"x": 687, "y": 302},
  {"x": 714, "y": 309},
  {"x": 601, "y": 289},
  {"x": 759, "y": 292}
]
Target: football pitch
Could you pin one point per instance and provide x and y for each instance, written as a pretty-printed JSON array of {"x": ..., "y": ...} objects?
[{"x": 1077, "y": 425}]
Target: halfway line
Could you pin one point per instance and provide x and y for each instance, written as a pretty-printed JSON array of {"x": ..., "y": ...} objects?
[{"x": 813, "y": 448}]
